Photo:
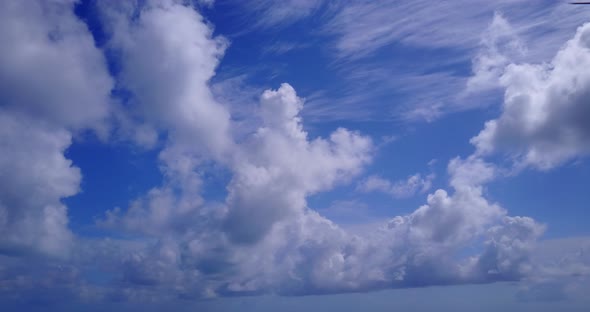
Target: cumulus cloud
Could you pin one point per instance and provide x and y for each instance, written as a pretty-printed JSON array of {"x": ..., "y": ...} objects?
[
  {"x": 275, "y": 169},
  {"x": 39, "y": 113},
  {"x": 263, "y": 238},
  {"x": 309, "y": 254},
  {"x": 279, "y": 166},
  {"x": 35, "y": 176},
  {"x": 462, "y": 215},
  {"x": 39, "y": 40},
  {"x": 168, "y": 55},
  {"x": 545, "y": 110},
  {"x": 305, "y": 253}
]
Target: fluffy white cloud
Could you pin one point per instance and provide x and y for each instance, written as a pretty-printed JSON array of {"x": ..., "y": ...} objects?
[
  {"x": 454, "y": 219},
  {"x": 509, "y": 247},
  {"x": 278, "y": 167},
  {"x": 39, "y": 40},
  {"x": 53, "y": 81},
  {"x": 263, "y": 238},
  {"x": 309, "y": 254},
  {"x": 34, "y": 176},
  {"x": 545, "y": 111},
  {"x": 168, "y": 55},
  {"x": 429, "y": 89},
  {"x": 274, "y": 169}
]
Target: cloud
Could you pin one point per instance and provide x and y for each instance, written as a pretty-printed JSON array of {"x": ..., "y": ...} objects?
[
  {"x": 363, "y": 27},
  {"x": 363, "y": 34},
  {"x": 565, "y": 267},
  {"x": 262, "y": 238},
  {"x": 35, "y": 176},
  {"x": 168, "y": 55},
  {"x": 175, "y": 70},
  {"x": 545, "y": 109},
  {"x": 271, "y": 13},
  {"x": 305, "y": 253},
  {"x": 500, "y": 45},
  {"x": 418, "y": 249},
  {"x": 40, "y": 40},
  {"x": 282, "y": 47},
  {"x": 280, "y": 166},
  {"x": 400, "y": 189},
  {"x": 463, "y": 214},
  {"x": 40, "y": 113},
  {"x": 360, "y": 37}
]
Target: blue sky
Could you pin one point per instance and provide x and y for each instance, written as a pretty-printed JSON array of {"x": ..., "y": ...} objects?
[{"x": 285, "y": 155}]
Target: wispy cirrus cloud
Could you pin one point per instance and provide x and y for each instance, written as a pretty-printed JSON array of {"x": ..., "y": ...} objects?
[
  {"x": 455, "y": 33},
  {"x": 362, "y": 27},
  {"x": 268, "y": 14}
]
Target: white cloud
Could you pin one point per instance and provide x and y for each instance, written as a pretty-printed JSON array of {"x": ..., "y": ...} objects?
[
  {"x": 53, "y": 81},
  {"x": 282, "y": 47},
  {"x": 168, "y": 56},
  {"x": 363, "y": 27},
  {"x": 272, "y": 13},
  {"x": 450, "y": 32},
  {"x": 309, "y": 254},
  {"x": 34, "y": 176},
  {"x": 399, "y": 189},
  {"x": 564, "y": 266},
  {"x": 508, "y": 249},
  {"x": 545, "y": 110},
  {"x": 278, "y": 167},
  {"x": 500, "y": 45},
  {"x": 462, "y": 215},
  {"x": 40, "y": 40},
  {"x": 263, "y": 238}
]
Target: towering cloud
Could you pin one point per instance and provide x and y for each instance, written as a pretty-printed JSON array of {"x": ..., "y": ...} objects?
[
  {"x": 278, "y": 167},
  {"x": 168, "y": 55},
  {"x": 53, "y": 82},
  {"x": 546, "y": 109}
]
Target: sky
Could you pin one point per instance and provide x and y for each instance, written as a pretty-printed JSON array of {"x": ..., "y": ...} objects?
[{"x": 322, "y": 155}]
